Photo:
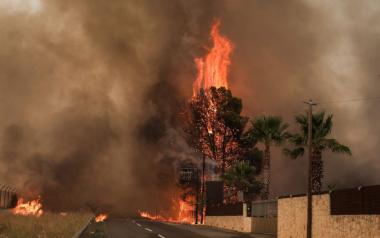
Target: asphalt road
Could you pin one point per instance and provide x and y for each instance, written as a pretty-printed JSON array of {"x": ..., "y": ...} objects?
[{"x": 141, "y": 228}]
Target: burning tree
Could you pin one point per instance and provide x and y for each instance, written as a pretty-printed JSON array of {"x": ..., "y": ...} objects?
[
  {"x": 214, "y": 125},
  {"x": 213, "y": 121},
  {"x": 212, "y": 117}
]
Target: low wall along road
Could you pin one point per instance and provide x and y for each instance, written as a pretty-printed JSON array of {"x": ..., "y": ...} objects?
[
  {"x": 260, "y": 218},
  {"x": 292, "y": 215}
]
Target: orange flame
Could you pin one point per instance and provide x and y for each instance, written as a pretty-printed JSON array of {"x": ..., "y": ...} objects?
[
  {"x": 101, "y": 217},
  {"x": 213, "y": 68},
  {"x": 185, "y": 213},
  {"x": 32, "y": 208}
]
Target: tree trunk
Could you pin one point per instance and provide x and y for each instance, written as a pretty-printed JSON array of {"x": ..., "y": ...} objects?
[
  {"x": 265, "y": 170},
  {"x": 317, "y": 172},
  {"x": 223, "y": 167}
]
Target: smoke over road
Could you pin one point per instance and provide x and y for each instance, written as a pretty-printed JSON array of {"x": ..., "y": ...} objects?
[{"x": 90, "y": 90}]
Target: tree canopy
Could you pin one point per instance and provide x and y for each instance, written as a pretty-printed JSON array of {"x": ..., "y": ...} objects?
[{"x": 214, "y": 125}]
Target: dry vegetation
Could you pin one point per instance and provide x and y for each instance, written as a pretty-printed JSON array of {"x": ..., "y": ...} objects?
[
  {"x": 50, "y": 225},
  {"x": 94, "y": 230}
]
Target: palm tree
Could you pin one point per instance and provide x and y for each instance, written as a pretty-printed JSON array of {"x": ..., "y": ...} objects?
[
  {"x": 242, "y": 177},
  {"x": 268, "y": 130},
  {"x": 321, "y": 129}
]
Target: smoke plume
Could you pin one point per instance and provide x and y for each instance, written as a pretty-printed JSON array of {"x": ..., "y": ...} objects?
[{"x": 90, "y": 90}]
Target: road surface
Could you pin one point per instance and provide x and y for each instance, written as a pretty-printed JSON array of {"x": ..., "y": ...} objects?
[{"x": 141, "y": 228}]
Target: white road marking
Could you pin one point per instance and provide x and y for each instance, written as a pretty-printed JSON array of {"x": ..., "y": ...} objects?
[
  {"x": 138, "y": 224},
  {"x": 148, "y": 229},
  {"x": 161, "y": 236}
]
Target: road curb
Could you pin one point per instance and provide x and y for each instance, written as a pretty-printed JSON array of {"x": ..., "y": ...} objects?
[{"x": 80, "y": 232}]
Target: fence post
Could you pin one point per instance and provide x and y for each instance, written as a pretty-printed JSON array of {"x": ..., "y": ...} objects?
[
  {"x": 3, "y": 193},
  {"x": 245, "y": 209},
  {"x": 1, "y": 197},
  {"x": 7, "y": 199}
]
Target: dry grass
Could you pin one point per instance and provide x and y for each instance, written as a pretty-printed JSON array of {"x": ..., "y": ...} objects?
[
  {"x": 49, "y": 225},
  {"x": 94, "y": 230}
]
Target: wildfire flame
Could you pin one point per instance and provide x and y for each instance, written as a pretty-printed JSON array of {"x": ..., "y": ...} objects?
[
  {"x": 213, "y": 68},
  {"x": 31, "y": 208},
  {"x": 101, "y": 217},
  {"x": 212, "y": 72},
  {"x": 185, "y": 213}
]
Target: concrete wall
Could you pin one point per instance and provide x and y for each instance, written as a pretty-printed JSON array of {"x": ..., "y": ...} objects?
[
  {"x": 236, "y": 223},
  {"x": 244, "y": 223},
  {"x": 264, "y": 225},
  {"x": 292, "y": 220}
]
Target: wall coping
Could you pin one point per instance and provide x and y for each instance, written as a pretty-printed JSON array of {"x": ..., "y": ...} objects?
[{"x": 303, "y": 195}]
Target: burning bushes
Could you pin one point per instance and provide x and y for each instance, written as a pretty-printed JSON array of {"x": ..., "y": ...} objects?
[
  {"x": 101, "y": 217},
  {"x": 31, "y": 208},
  {"x": 184, "y": 208}
]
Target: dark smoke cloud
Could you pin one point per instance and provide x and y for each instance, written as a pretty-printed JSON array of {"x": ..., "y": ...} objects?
[
  {"x": 90, "y": 90},
  {"x": 295, "y": 50}
]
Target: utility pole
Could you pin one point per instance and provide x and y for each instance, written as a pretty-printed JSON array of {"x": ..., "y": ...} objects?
[
  {"x": 310, "y": 170},
  {"x": 196, "y": 195},
  {"x": 203, "y": 188}
]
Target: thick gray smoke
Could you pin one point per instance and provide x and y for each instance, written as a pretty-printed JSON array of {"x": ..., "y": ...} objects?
[{"x": 90, "y": 90}]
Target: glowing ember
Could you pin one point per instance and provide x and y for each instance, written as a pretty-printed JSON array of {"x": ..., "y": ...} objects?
[
  {"x": 101, "y": 217},
  {"x": 213, "y": 68},
  {"x": 32, "y": 208}
]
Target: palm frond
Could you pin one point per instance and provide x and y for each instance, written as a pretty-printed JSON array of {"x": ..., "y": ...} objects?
[
  {"x": 294, "y": 153},
  {"x": 241, "y": 176},
  {"x": 322, "y": 127},
  {"x": 297, "y": 139},
  {"x": 268, "y": 129},
  {"x": 336, "y": 147}
]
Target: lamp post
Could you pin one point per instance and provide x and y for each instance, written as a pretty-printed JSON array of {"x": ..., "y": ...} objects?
[{"x": 309, "y": 225}]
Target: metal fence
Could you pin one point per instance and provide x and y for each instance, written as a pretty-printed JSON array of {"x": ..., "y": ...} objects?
[
  {"x": 225, "y": 210},
  {"x": 357, "y": 201},
  {"x": 8, "y": 197},
  {"x": 264, "y": 209}
]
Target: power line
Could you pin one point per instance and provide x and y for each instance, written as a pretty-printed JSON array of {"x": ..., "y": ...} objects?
[
  {"x": 309, "y": 223},
  {"x": 351, "y": 100}
]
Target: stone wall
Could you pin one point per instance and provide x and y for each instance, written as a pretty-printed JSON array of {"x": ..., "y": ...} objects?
[
  {"x": 236, "y": 223},
  {"x": 292, "y": 220},
  {"x": 264, "y": 225}
]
